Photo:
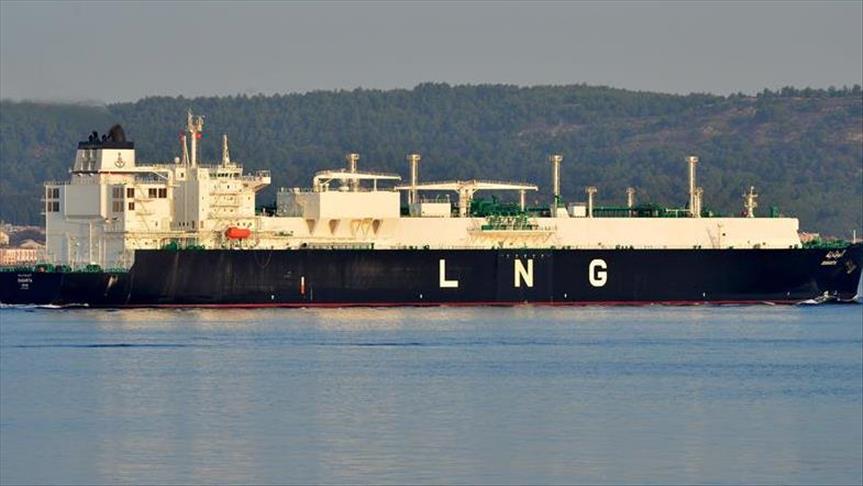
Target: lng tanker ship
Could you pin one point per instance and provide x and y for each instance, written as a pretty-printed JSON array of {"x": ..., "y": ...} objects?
[{"x": 182, "y": 233}]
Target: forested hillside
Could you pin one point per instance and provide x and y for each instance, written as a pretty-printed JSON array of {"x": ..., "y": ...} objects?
[{"x": 802, "y": 149}]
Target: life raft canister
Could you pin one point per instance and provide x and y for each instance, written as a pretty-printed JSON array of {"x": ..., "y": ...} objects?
[{"x": 235, "y": 233}]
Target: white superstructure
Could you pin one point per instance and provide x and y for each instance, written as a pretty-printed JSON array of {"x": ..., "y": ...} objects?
[{"x": 112, "y": 205}]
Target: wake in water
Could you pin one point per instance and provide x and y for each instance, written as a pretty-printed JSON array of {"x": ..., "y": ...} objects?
[
  {"x": 823, "y": 299},
  {"x": 105, "y": 345}
]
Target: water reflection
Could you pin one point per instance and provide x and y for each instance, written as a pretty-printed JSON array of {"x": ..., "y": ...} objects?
[
  {"x": 400, "y": 317},
  {"x": 456, "y": 395}
]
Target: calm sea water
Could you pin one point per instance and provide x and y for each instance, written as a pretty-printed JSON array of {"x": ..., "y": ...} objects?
[{"x": 443, "y": 395}]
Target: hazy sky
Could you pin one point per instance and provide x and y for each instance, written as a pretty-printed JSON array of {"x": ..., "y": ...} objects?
[{"x": 123, "y": 51}]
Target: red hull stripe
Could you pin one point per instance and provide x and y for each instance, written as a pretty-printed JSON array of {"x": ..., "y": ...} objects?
[{"x": 463, "y": 304}]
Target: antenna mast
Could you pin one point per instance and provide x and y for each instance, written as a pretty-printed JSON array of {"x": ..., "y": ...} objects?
[
  {"x": 194, "y": 128},
  {"x": 184, "y": 149},
  {"x": 226, "y": 155}
]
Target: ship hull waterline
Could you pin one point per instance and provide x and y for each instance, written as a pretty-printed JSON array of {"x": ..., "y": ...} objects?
[{"x": 414, "y": 277}]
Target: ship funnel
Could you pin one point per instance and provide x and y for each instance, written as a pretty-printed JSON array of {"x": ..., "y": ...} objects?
[
  {"x": 352, "y": 160},
  {"x": 693, "y": 161},
  {"x": 414, "y": 160},
  {"x": 630, "y": 197},
  {"x": 555, "y": 160},
  {"x": 591, "y": 191}
]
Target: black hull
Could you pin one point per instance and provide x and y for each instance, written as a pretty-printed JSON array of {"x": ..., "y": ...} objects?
[{"x": 258, "y": 278}]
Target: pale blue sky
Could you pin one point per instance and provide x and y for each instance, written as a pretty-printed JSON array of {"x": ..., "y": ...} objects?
[{"x": 123, "y": 51}]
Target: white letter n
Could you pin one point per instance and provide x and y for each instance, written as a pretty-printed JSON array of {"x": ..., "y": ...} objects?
[{"x": 522, "y": 274}]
